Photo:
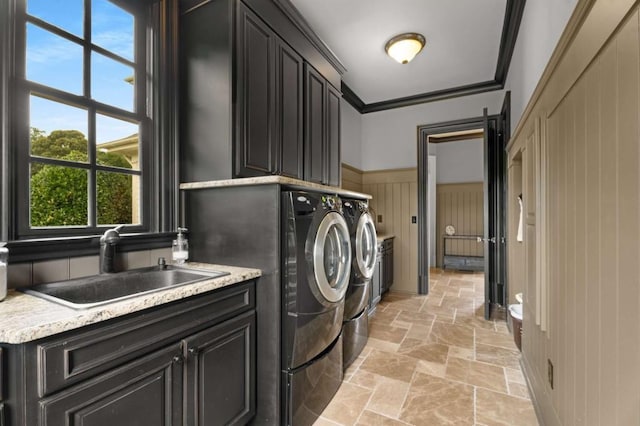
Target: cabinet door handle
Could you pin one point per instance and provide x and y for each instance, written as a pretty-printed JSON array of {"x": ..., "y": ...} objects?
[
  {"x": 193, "y": 351},
  {"x": 178, "y": 359}
]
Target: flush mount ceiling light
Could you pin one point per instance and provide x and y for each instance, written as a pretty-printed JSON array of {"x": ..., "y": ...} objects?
[{"x": 404, "y": 47}]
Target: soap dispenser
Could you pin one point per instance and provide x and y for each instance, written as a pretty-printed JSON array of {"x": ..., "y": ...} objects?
[{"x": 180, "y": 248}]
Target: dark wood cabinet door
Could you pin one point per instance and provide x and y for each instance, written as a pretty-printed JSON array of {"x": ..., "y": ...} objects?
[
  {"x": 376, "y": 283},
  {"x": 256, "y": 145},
  {"x": 388, "y": 268},
  {"x": 144, "y": 392},
  {"x": 315, "y": 152},
  {"x": 289, "y": 110},
  {"x": 221, "y": 373},
  {"x": 334, "y": 165}
]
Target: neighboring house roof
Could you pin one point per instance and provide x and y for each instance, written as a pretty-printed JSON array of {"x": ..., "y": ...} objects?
[{"x": 127, "y": 146}]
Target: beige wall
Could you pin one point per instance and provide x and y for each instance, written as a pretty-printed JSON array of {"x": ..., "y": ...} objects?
[
  {"x": 515, "y": 249},
  {"x": 395, "y": 198},
  {"x": 460, "y": 205},
  {"x": 579, "y": 142},
  {"x": 351, "y": 178}
]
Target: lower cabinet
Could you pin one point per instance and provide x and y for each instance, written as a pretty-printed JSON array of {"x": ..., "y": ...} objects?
[
  {"x": 190, "y": 362},
  {"x": 375, "y": 285},
  {"x": 382, "y": 279},
  {"x": 144, "y": 392},
  {"x": 220, "y": 370},
  {"x": 387, "y": 265}
]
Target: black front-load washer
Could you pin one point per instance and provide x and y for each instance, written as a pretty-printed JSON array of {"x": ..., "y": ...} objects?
[
  {"x": 362, "y": 232},
  {"x": 316, "y": 256}
]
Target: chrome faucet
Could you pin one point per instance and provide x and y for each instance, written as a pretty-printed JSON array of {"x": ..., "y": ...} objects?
[{"x": 108, "y": 242}]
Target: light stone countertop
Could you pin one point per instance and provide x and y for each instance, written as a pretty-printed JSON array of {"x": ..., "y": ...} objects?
[
  {"x": 24, "y": 318},
  {"x": 382, "y": 237},
  {"x": 281, "y": 180}
]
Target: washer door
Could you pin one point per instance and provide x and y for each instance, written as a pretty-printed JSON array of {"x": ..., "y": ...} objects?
[
  {"x": 366, "y": 245},
  {"x": 332, "y": 257}
]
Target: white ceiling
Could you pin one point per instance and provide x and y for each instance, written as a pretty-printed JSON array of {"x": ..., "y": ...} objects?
[{"x": 463, "y": 40}]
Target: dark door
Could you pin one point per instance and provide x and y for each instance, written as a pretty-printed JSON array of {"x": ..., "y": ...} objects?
[
  {"x": 334, "y": 166},
  {"x": 289, "y": 110},
  {"x": 221, "y": 369},
  {"x": 256, "y": 145},
  {"x": 314, "y": 138},
  {"x": 144, "y": 392},
  {"x": 488, "y": 246},
  {"x": 504, "y": 134},
  {"x": 494, "y": 183}
]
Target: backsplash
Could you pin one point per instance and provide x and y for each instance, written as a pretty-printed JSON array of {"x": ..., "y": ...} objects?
[{"x": 33, "y": 273}]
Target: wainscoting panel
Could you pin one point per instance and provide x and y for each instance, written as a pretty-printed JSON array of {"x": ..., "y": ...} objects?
[
  {"x": 460, "y": 205},
  {"x": 582, "y": 297},
  {"x": 351, "y": 178},
  {"x": 395, "y": 201}
]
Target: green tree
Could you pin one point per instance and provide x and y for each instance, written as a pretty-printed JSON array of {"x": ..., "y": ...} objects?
[
  {"x": 58, "y": 144},
  {"x": 59, "y": 194}
]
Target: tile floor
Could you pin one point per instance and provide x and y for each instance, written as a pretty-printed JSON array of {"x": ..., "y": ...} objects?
[{"x": 434, "y": 360}]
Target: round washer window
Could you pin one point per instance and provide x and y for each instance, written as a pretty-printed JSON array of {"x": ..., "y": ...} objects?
[
  {"x": 332, "y": 257},
  {"x": 366, "y": 249}
]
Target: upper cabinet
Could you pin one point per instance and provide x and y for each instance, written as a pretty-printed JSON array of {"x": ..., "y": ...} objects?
[
  {"x": 322, "y": 130},
  {"x": 256, "y": 144},
  {"x": 315, "y": 128},
  {"x": 289, "y": 111},
  {"x": 334, "y": 163},
  {"x": 251, "y": 104}
]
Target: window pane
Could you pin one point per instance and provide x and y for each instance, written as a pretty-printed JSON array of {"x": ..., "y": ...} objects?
[
  {"x": 65, "y": 14},
  {"x": 112, "y": 28},
  {"x": 53, "y": 61},
  {"x": 111, "y": 82},
  {"x": 118, "y": 198},
  {"x": 57, "y": 130},
  {"x": 117, "y": 140},
  {"x": 58, "y": 196}
]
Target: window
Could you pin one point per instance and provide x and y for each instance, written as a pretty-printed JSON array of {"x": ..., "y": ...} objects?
[
  {"x": 88, "y": 125},
  {"x": 85, "y": 138}
]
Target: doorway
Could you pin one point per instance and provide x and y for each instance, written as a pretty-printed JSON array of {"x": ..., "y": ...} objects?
[
  {"x": 455, "y": 199},
  {"x": 496, "y": 131}
]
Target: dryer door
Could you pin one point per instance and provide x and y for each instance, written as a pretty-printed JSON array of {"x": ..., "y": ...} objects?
[
  {"x": 332, "y": 257},
  {"x": 366, "y": 245}
]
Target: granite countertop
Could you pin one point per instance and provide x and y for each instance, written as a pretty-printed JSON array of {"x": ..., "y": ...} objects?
[
  {"x": 382, "y": 237},
  {"x": 281, "y": 180},
  {"x": 24, "y": 318}
]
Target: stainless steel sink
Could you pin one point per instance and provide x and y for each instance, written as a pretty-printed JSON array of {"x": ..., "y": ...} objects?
[{"x": 83, "y": 293}]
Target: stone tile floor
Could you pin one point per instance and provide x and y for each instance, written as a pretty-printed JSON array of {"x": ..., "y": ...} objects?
[{"x": 434, "y": 360}]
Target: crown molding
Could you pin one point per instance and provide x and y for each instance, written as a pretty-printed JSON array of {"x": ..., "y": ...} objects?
[
  {"x": 350, "y": 96},
  {"x": 301, "y": 23},
  {"x": 510, "y": 28},
  {"x": 438, "y": 95},
  {"x": 512, "y": 19}
]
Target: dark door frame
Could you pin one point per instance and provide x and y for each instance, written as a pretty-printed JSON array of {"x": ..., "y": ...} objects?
[{"x": 423, "y": 208}]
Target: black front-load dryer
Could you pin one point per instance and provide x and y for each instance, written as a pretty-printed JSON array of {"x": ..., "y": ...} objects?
[
  {"x": 316, "y": 256},
  {"x": 364, "y": 250}
]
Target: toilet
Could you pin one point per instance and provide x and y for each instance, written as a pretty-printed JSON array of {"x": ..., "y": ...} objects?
[{"x": 515, "y": 313}]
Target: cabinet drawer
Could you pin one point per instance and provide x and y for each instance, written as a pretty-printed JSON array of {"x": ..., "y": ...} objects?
[{"x": 77, "y": 355}]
